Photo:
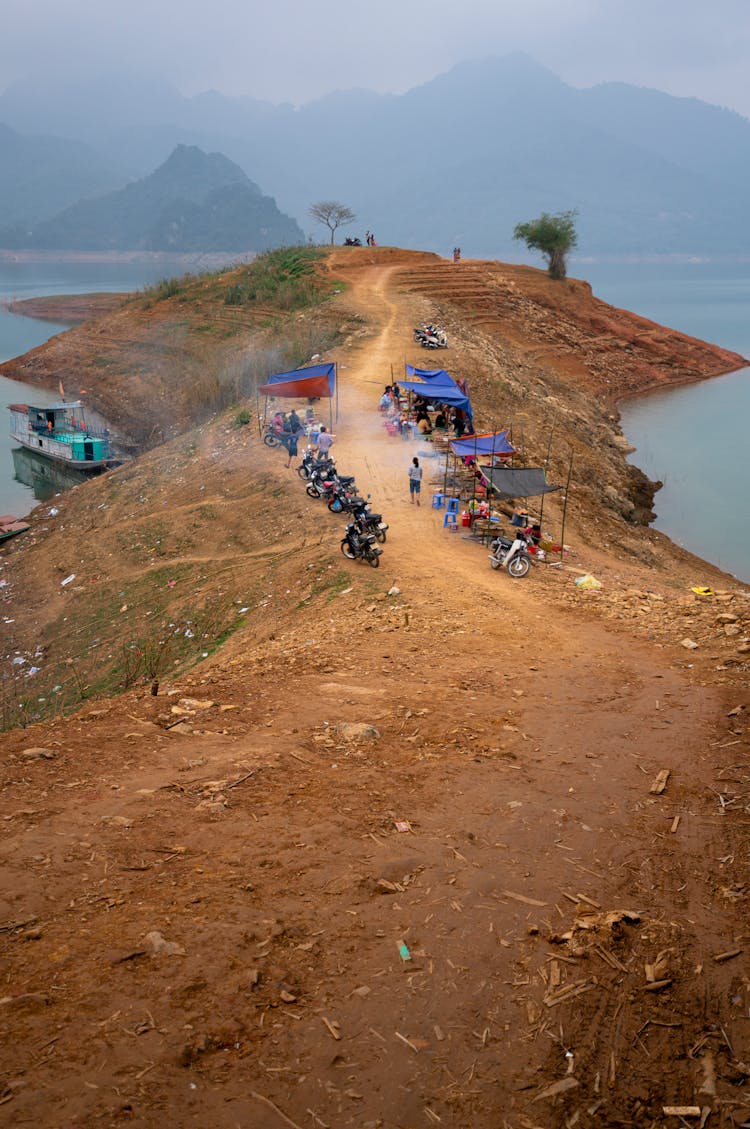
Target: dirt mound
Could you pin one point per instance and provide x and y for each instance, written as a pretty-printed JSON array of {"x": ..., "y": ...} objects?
[{"x": 421, "y": 845}]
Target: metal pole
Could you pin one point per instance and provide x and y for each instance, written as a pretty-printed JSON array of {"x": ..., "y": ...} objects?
[
  {"x": 565, "y": 507},
  {"x": 336, "y": 379},
  {"x": 474, "y": 477},
  {"x": 546, "y": 466}
]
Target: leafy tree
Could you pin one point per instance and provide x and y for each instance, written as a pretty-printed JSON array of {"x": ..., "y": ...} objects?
[
  {"x": 553, "y": 235},
  {"x": 332, "y": 214}
]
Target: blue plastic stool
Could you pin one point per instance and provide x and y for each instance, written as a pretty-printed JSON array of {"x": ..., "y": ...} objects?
[
  {"x": 452, "y": 505},
  {"x": 437, "y": 501},
  {"x": 451, "y": 520}
]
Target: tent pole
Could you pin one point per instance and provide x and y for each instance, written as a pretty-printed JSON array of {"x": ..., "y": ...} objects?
[
  {"x": 257, "y": 408},
  {"x": 474, "y": 477},
  {"x": 546, "y": 467},
  {"x": 565, "y": 507},
  {"x": 336, "y": 378}
]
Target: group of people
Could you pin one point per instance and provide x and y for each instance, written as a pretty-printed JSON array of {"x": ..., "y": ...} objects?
[
  {"x": 420, "y": 420},
  {"x": 369, "y": 239},
  {"x": 456, "y": 254},
  {"x": 287, "y": 427}
]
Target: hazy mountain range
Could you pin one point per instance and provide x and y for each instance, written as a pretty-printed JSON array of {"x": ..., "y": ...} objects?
[
  {"x": 459, "y": 160},
  {"x": 195, "y": 201}
]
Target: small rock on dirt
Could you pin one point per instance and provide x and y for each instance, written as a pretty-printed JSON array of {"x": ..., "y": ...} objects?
[
  {"x": 37, "y": 754},
  {"x": 357, "y": 731},
  {"x": 158, "y": 945}
]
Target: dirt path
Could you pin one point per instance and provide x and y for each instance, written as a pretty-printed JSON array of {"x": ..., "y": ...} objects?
[{"x": 331, "y": 969}]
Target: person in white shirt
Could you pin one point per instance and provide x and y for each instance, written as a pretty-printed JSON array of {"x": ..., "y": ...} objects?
[
  {"x": 325, "y": 441},
  {"x": 415, "y": 480}
]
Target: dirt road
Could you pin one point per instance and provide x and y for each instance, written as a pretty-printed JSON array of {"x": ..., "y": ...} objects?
[{"x": 403, "y": 864}]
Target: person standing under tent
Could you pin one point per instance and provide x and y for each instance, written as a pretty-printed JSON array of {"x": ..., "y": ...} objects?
[{"x": 415, "y": 480}]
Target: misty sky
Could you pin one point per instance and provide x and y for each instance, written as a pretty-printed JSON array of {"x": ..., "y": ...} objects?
[{"x": 297, "y": 50}]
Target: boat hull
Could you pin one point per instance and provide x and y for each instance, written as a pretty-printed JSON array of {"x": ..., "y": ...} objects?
[{"x": 58, "y": 452}]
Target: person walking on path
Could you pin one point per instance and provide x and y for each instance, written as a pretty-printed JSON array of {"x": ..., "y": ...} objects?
[
  {"x": 415, "y": 480},
  {"x": 291, "y": 446}
]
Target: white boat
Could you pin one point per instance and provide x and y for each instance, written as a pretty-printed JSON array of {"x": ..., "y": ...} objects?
[{"x": 60, "y": 432}]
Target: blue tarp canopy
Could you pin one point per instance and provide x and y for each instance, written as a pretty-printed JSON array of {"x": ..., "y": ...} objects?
[
  {"x": 427, "y": 374},
  {"x": 308, "y": 383},
  {"x": 492, "y": 444},
  {"x": 436, "y": 385}
]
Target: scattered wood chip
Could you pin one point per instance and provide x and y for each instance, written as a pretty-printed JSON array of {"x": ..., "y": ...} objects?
[
  {"x": 561, "y": 1087},
  {"x": 569, "y": 992},
  {"x": 681, "y": 1110},
  {"x": 656, "y": 986},
  {"x": 522, "y": 898},
  {"x": 407, "y": 1041},
  {"x": 660, "y": 782},
  {"x": 334, "y": 1028},
  {"x": 728, "y": 955},
  {"x": 675, "y": 824}
]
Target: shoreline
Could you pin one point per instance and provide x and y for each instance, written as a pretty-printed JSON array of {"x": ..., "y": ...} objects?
[{"x": 205, "y": 259}]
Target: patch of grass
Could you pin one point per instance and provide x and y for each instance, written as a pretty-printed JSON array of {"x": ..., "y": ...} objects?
[
  {"x": 285, "y": 279},
  {"x": 167, "y": 288}
]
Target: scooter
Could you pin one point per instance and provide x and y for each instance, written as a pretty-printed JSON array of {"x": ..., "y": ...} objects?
[
  {"x": 361, "y": 545},
  {"x": 513, "y": 556}
]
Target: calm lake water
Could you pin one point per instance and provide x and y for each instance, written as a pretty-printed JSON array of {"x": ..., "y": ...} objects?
[
  {"x": 693, "y": 439},
  {"x": 19, "y": 334}
]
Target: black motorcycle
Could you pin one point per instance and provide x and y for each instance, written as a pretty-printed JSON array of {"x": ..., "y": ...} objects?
[
  {"x": 312, "y": 464},
  {"x": 361, "y": 546},
  {"x": 329, "y": 485},
  {"x": 369, "y": 522}
]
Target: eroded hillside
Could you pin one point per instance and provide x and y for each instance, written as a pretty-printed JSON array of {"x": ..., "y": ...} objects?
[{"x": 422, "y": 845}]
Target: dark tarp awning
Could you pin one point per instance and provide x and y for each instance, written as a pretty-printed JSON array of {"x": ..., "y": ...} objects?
[
  {"x": 517, "y": 482},
  {"x": 302, "y": 383}
]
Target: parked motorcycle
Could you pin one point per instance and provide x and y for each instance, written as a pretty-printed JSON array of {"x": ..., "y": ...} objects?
[
  {"x": 311, "y": 464},
  {"x": 352, "y": 241},
  {"x": 512, "y": 555},
  {"x": 369, "y": 522},
  {"x": 431, "y": 336},
  {"x": 358, "y": 545},
  {"x": 330, "y": 485}
]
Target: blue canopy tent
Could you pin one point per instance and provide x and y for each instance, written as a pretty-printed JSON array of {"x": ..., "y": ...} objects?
[
  {"x": 436, "y": 385},
  {"x": 493, "y": 443},
  {"x": 311, "y": 383}
]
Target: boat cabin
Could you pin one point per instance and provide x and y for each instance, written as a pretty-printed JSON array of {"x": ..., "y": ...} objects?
[{"x": 60, "y": 432}]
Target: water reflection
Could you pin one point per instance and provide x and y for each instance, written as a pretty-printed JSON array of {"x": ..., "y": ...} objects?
[{"x": 45, "y": 478}]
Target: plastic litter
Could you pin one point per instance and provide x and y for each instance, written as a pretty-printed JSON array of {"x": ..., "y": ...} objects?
[
  {"x": 588, "y": 583},
  {"x": 67, "y": 579}
]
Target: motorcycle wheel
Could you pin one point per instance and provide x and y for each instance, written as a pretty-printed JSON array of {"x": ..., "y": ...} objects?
[
  {"x": 373, "y": 560},
  {"x": 380, "y": 536},
  {"x": 270, "y": 441},
  {"x": 335, "y": 506},
  {"x": 494, "y": 562},
  {"x": 302, "y": 472},
  {"x": 312, "y": 490},
  {"x": 519, "y": 566},
  {"x": 346, "y": 549}
]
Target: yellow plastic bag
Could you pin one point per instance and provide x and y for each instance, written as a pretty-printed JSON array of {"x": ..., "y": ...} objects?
[{"x": 588, "y": 583}]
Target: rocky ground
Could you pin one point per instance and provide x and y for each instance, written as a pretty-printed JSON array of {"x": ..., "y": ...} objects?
[{"x": 417, "y": 846}]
